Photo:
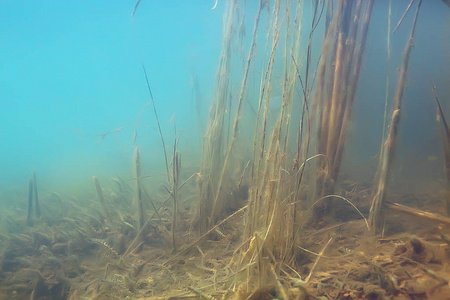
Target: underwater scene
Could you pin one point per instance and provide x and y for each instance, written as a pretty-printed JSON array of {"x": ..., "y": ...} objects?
[{"x": 225, "y": 149}]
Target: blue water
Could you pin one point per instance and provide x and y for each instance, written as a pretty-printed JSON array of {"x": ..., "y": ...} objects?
[
  {"x": 419, "y": 140},
  {"x": 71, "y": 70}
]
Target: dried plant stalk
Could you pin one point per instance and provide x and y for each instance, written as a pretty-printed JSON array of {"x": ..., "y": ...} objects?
[
  {"x": 30, "y": 203},
  {"x": 139, "y": 198},
  {"x": 342, "y": 70},
  {"x": 176, "y": 166},
  {"x": 418, "y": 213},
  {"x": 376, "y": 215},
  {"x": 445, "y": 134},
  {"x": 36, "y": 196},
  {"x": 102, "y": 200},
  {"x": 259, "y": 143}
]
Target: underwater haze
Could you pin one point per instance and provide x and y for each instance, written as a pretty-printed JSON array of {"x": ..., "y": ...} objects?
[
  {"x": 71, "y": 71},
  {"x": 420, "y": 153}
]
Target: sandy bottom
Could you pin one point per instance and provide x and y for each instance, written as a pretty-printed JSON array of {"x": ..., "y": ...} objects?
[{"x": 74, "y": 257}]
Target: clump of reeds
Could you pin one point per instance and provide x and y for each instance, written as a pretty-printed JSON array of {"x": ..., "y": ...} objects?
[
  {"x": 337, "y": 82},
  {"x": 214, "y": 141},
  {"x": 277, "y": 193},
  {"x": 219, "y": 200},
  {"x": 270, "y": 216}
]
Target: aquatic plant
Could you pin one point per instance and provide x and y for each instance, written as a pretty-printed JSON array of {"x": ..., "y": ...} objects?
[
  {"x": 376, "y": 217},
  {"x": 445, "y": 133}
]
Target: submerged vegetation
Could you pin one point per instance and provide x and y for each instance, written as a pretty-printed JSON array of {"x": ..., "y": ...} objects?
[{"x": 269, "y": 213}]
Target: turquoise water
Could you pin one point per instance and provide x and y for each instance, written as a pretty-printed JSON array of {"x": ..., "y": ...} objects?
[{"x": 71, "y": 71}]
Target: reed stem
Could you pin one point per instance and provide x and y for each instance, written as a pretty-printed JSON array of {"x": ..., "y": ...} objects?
[
  {"x": 36, "y": 196},
  {"x": 377, "y": 215},
  {"x": 176, "y": 165},
  {"x": 30, "y": 203},
  {"x": 139, "y": 200},
  {"x": 101, "y": 198},
  {"x": 445, "y": 134}
]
